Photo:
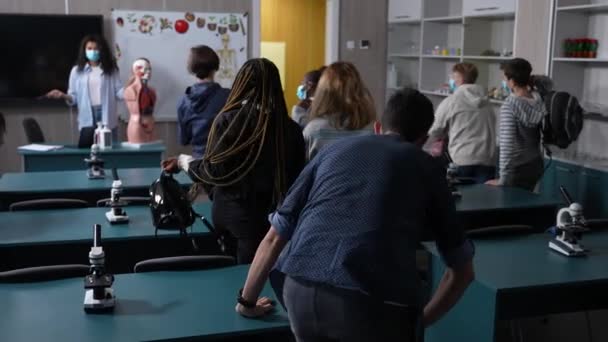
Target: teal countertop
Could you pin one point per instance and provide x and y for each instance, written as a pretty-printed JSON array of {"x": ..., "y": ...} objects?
[
  {"x": 77, "y": 180},
  {"x": 526, "y": 261},
  {"x": 150, "y": 306},
  {"x": 76, "y": 225},
  {"x": 67, "y": 149}
]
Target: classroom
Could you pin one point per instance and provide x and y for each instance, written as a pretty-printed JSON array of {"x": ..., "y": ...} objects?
[{"x": 304, "y": 170}]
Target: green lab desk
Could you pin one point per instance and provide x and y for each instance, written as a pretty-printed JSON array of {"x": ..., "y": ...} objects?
[
  {"x": 483, "y": 205},
  {"x": 150, "y": 307},
  {"x": 518, "y": 277},
  {"x": 72, "y": 158},
  {"x": 22, "y": 186},
  {"x": 46, "y": 237}
]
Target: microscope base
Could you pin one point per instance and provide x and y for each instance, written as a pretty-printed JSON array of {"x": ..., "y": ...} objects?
[
  {"x": 92, "y": 305},
  {"x": 567, "y": 248},
  {"x": 117, "y": 219}
]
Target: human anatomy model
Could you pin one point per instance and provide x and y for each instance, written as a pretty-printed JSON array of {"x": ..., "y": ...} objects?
[{"x": 140, "y": 100}]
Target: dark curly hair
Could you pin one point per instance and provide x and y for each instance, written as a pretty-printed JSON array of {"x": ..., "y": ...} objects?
[{"x": 107, "y": 60}]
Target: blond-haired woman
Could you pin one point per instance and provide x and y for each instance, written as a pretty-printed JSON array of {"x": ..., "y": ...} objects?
[{"x": 342, "y": 107}]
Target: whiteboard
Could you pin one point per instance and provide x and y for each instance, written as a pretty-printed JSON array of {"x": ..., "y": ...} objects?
[{"x": 165, "y": 38}]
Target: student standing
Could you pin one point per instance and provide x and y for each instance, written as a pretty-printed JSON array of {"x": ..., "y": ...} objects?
[
  {"x": 94, "y": 87},
  {"x": 342, "y": 107},
  {"x": 253, "y": 155},
  {"x": 306, "y": 93},
  {"x": 466, "y": 119},
  {"x": 202, "y": 101},
  {"x": 520, "y": 161},
  {"x": 353, "y": 220}
]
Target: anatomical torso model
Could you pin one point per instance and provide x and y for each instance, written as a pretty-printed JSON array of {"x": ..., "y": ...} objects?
[{"x": 140, "y": 100}]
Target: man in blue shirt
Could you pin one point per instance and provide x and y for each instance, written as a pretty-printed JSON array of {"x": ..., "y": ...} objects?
[{"x": 344, "y": 240}]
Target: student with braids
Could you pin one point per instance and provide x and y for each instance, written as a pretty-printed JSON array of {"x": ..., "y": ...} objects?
[{"x": 253, "y": 155}]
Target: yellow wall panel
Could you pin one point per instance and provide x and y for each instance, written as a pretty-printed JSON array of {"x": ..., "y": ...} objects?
[{"x": 300, "y": 24}]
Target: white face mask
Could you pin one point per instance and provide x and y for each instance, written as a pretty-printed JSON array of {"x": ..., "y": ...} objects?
[{"x": 142, "y": 69}]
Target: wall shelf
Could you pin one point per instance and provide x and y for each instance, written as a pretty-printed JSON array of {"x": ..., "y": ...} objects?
[
  {"x": 453, "y": 25},
  {"x": 580, "y": 60},
  {"x": 434, "y": 93},
  {"x": 440, "y": 57},
  {"x": 404, "y": 55},
  {"x": 489, "y": 58},
  {"x": 590, "y": 9}
]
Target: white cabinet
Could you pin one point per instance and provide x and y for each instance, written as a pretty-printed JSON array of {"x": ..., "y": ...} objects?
[
  {"x": 404, "y": 10},
  {"x": 474, "y": 8}
]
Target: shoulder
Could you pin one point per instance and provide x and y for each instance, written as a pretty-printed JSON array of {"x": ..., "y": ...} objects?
[{"x": 317, "y": 124}]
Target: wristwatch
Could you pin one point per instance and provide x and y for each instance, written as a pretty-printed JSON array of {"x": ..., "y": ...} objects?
[{"x": 243, "y": 302}]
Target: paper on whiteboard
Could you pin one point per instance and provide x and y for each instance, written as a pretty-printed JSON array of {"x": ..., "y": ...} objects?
[{"x": 165, "y": 38}]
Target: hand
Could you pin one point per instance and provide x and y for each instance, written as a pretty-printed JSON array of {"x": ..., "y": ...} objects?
[
  {"x": 170, "y": 165},
  {"x": 264, "y": 306},
  {"x": 56, "y": 94},
  {"x": 493, "y": 182}
]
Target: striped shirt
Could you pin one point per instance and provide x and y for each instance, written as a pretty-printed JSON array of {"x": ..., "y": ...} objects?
[
  {"x": 320, "y": 132},
  {"x": 519, "y": 135}
]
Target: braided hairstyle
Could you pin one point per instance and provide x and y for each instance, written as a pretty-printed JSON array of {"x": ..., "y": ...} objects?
[{"x": 261, "y": 113}]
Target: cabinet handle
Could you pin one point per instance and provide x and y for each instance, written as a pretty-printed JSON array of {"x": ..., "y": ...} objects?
[
  {"x": 485, "y": 9},
  {"x": 402, "y": 16},
  {"x": 564, "y": 169}
]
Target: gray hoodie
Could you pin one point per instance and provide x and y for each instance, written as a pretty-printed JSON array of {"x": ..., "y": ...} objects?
[
  {"x": 467, "y": 120},
  {"x": 520, "y": 120}
]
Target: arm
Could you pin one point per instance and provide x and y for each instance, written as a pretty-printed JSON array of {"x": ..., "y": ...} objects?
[
  {"x": 455, "y": 249},
  {"x": 507, "y": 135},
  {"x": 439, "y": 130},
  {"x": 283, "y": 225},
  {"x": 184, "y": 134},
  {"x": 451, "y": 287},
  {"x": 71, "y": 97},
  {"x": 265, "y": 257},
  {"x": 118, "y": 86}
]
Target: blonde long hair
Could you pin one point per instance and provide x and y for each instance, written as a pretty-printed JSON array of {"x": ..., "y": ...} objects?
[{"x": 342, "y": 97}]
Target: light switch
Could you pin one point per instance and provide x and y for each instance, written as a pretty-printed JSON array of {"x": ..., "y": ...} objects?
[{"x": 350, "y": 44}]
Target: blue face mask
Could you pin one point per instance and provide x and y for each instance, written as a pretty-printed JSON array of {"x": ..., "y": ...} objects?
[
  {"x": 452, "y": 84},
  {"x": 505, "y": 87},
  {"x": 301, "y": 93},
  {"x": 92, "y": 55}
]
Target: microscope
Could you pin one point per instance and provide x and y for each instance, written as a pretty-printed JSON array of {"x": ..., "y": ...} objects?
[
  {"x": 99, "y": 295},
  {"x": 116, "y": 215},
  {"x": 95, "y": 165},
  {"x": 570, "y": 225}
]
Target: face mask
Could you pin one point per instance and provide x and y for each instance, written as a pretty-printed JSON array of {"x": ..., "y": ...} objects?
[
  {"x": 301, "y": 93},
  {"x": 505, "y": 87},
  {"x": 92, "y": 55},
  {"x": 452, "y": 84}
]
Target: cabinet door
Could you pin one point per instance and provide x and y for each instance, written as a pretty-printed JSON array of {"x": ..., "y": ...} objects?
[
  {"x": 567, "y": 175},
  {"x": 404, "y": 10},
  {"x": 594, "y": 193},
  {"x": 473, "y": 8}
]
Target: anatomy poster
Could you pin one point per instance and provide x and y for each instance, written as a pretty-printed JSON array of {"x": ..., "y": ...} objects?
[{"x": 165, "y": 38}]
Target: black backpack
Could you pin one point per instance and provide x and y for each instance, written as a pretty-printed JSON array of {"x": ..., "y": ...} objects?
[
  {"x": 171, "y": 209},
  {"x": 564, "y": 120}
]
